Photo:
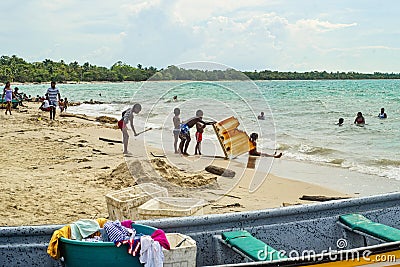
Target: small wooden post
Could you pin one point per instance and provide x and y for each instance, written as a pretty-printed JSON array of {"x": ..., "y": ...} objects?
[{"x": 220, "y": 142}]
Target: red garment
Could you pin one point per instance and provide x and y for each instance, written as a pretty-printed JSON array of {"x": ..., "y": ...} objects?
[
  {"x": 160, "y": 236},
  {"x": 127, "y": 223},
  {"x": 133, "y": 246},
  {"x": 199, "y": 136},
  {"x": 121, "y": 124}
]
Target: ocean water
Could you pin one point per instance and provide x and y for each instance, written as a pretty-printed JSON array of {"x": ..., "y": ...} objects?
[{"x": 300, "y": 115}]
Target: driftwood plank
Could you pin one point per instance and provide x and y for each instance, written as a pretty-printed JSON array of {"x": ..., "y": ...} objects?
[
  {"x": 109, "y": 140},
  {"x": 220, "y": 171},
  {"x": 320, "y": 198},
  {"x": 79, "y": 116}
]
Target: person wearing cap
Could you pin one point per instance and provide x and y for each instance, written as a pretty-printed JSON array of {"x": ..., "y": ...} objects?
[{"x": 184, "y": 134}]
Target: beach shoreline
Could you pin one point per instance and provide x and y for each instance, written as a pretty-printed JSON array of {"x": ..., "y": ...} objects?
[{"x": 56, "y": 172}]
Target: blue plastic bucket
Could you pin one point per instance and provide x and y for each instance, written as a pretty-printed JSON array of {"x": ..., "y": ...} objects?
[{"x": 80, "y": 253}]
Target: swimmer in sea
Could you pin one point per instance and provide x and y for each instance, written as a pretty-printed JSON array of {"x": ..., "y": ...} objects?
[
  {"x": 261, "y": 116},
  {"x": 359, "y": 120},
  {"x": 382, "y": 115},
  {"x": 341, "y": 121}
]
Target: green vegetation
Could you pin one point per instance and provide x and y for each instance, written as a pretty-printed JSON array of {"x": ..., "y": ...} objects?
[
  {"x": 318, "y": 75},
  {"x": 17, "y": 69}
]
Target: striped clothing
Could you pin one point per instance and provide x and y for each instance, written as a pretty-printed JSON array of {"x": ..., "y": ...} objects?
[
  {"x": 53, "y": 94},
  {"x": 126, "y": 114},
  {"x": 116, "y": 232}
]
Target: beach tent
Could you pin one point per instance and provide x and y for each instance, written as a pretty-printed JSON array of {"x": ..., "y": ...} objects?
[{"x": 233, "y": 141}]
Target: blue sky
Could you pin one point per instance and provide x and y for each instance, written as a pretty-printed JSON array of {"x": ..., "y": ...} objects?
[{"x": 290, "y": 35}]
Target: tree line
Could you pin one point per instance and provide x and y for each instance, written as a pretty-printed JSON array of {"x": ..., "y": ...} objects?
[{"x": 16, "y": 69}]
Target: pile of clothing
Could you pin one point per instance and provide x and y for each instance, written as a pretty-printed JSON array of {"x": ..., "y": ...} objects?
[{"x": 147, "y": 247}]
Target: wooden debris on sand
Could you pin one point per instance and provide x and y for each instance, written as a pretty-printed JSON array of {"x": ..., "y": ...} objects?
[
  {"x": 79, "y": 116},
  {"x": 106, "y": 119},
  {"x": 220, "y": 171},
  {"x": 109, "y": 140},
  {"x": 321, "y": 198},
  {"x": 234, "y": 205}
]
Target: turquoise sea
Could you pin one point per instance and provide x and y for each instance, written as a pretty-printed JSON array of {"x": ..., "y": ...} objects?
[{"x": 300, "y": 115}]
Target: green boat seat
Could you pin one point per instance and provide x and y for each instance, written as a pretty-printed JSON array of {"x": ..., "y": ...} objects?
[
  {"x": 250, "y": 246},
  {"x": 359, "y": 223}
]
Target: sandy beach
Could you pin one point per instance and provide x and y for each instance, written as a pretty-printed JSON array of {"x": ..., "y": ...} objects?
[{"x": 56, "y": 172}]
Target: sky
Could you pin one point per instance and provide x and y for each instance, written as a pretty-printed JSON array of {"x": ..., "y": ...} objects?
[{"x": 247, "y": 35}]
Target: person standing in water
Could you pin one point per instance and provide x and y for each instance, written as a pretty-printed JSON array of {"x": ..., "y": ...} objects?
[
  {"x": 127, "y": 117},
  {"x": 359, "y": 120},
  {"x": 382, "y": 115},
  {"x": 8, "y": 96},
  {"x": 184, "y": 134},
  {"x": 177, "y": 122},
  {"x": 54, "y": 96}
]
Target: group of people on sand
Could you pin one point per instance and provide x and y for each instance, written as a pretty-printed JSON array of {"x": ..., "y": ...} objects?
[
  {"x": 53, "y": 100},
  {"x": 360, "y": 120},
  {"x": 181, "y": 131},
  {"x": 50, "y": 103},
  {"x": 9, "y": 94},
  {"x": 62, "y": 104}
]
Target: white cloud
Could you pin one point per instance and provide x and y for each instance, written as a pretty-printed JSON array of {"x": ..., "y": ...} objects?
[
  {"x": 138, "y": 6},
  {"x": 246, "y": 34},
  {"x": 320, "y": 26}
]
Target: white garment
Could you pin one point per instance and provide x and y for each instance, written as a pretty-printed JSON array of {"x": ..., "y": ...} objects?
[
  {"x": 150, "y": 252},
  {"x": 46, "y": 103}
]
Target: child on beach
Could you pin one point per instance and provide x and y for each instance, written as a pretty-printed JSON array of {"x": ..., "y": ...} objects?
[
  {"x": 253, "y": 139},
  {"x": 177, "y": 122},
  {"x": 127, "y": 117},
  {"x": 199, "y": 137},
  {"x": 45, "y": 105},
  {"x": 61, "y": 105},
  {"x": 184, "y": 134},
  {"x": 65, "y": 104},
  {"x": 9, "y": 94}
]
